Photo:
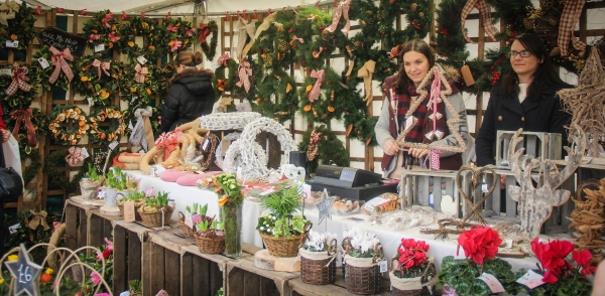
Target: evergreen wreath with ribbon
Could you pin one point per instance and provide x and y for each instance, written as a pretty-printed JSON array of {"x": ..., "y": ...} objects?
[
  {"x": 98, "y": 78},
  {"x": 175, "y": 34},
  {"x": 53, "y": 68},
  {"x": 102, "y": 30},
  {"x": 19, "y": 28},
  {"x": 203, "y": 32},
  {"x": 20, "y": 89},
  {"x": 139, "y": 37},
  {"x": 141, "y": 85},
  {"x": 107, "y": 125},
  {"x": 68, "y": 124}
]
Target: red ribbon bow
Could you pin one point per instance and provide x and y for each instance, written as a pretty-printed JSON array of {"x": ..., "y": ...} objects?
[
  {"x": 484, "y": 16},
  {"x": 141, "y": 73},
  {"x": 74, "y": 156},
  {"x": 168, "y": 142},
  {"x": 341, "y": 10},
  {"x": 59, "y": 59},
  {"x": 223, "y": 59},
  {"x": 202, "y": 33},
  {"x": 316, "y": 90},
  {"x": 20, "y": 80},
  {"x": 104, "y": 66},
  {"x": 24, "y": 116}
]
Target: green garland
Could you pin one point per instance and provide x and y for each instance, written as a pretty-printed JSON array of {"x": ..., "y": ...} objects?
[
  {"x": 331, "y": 150},
  {"x": 42, "y": 74},
  {"x": 210, "y": 50},
  {"x": 20, "y": 28},
  {"x": 100, "y": 88}
]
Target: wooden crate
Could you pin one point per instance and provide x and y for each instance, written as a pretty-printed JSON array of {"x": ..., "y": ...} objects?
[
  {"x": 418, "y": 185},
  {"x": 162, "y": 261},
  {"x": 77, "y": 221},
  {"x": 202, "y": 274},
  {"x": 101, "y": 227},
  {"x": 298, "y": 288},
  {"x": 245, "y": 279},
  {"x": 128, "y": 241}
]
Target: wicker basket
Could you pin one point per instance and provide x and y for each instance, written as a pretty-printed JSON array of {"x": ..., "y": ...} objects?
[
  {"x": 214, "y": 245},
  {"x": 417, "y": 286},
  {"x": 283, "y": 246},
  {"x": 317, "y": 268},
  {"x": 155, "y": 219},
  {"x": 188, "y": 231},
  {"x": 362, "y": 276}
]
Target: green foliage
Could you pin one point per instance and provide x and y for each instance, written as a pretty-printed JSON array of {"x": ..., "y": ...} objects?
[
  {"x": 92, "y": 174},
  {"x": 572, "y": 284},
  {"x": 283, "y": 202},
  {"x": 231, "y": 188},
  {"x": 116, "y": 179},
  {"x": 135, "y": 196},
  {"x": 461, "y": 274},
  {"x": 282, "y": 227},
  {"x": 159, "y": 201},
  {"x": 331, "y": 150}
]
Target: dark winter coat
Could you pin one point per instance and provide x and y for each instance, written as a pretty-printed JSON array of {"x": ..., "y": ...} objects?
[
  {"x": 190, "y": 95},
  {"x": 538, "y": 113}
]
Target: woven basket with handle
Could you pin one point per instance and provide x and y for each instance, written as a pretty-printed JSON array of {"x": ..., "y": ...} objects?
[
  {"x": 214, "y": 245},
  {"x": 362, "y": 275},
  {"x": 318, "y": 268},
  {"x": 155, "y": 219}
]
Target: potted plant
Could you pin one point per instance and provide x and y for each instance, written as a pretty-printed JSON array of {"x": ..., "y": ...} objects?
[
  {"x": 462, "y": 276},
  {"x": 137, "y": 197},
  {"x": 209, "y": 234},
  {"x": 230, "y": 202},
  {"x": 318, "y": 266},
  {"x": 90, "y": 183},
  {"x": 561, "y": 275},
  {"x": 363, "y": 253},
  {"x": 283, "y": 230},
  {"x": 188, "y": 219},
  {"x": 135, "y": 288},
  {"x": 413, "y": 272},
  {"x": 156, "y": 211}
]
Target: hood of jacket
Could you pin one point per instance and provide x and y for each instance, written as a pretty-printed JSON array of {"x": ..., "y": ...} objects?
[{"x": 196, "y": 82}]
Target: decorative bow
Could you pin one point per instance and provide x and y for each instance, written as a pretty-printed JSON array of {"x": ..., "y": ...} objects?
[
  {"x": 142, "y": 134},
  {"x": 484, "y": 16},
  {"x": 24, "y": 116},
  {"x": 20, "y": 80},
  {"x": 168, "y": 142},
  {"x": 38, "y": 219},
  {"x": 313, "y": 144},
  {"x": 104, "y": 66},
  {"x": 141, "y": 72},
  {"x": 203, "y": 32},
  {"x": 8, "y": 10},
  {"x": 366, "y": 72},
  {"x": 266, "y": 24},
  {"x": 433, "y": 105},
  {"x": 59, "y": 59},
  {"x": 316, "y": 90},
  {"x": 74, "y": 157},
  {"x": 341, "y": 10},
  {"x": 567, "y": 23},
  {"x": 223, "y": 59},
  {"x": 244, "y": 71}
]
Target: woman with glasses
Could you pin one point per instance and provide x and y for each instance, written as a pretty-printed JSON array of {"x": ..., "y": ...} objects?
[
  {"x": 399, "y": 89},
  {"x": 524, "y": 98}
]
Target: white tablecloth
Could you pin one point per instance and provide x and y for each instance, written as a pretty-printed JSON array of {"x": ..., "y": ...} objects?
[{"x": 251, "y": 210}]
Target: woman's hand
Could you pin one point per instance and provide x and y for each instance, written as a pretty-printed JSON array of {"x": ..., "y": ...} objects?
[
  {"x": 418, "y": 152},
  {"x": 391, "y": 147},
  {"x": 5, "y": 135}
]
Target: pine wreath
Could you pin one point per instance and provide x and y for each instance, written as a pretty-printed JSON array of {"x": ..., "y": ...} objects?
[
  {"x": 203, "y": 32},
  {"x": 20, "y": 28},
  {"x": 68, "y": 124},
  {"x": 102, "y": 30},
  {"x": 330, "y": 151},
  {"x": 139, "y": 37},
  {"x": 44, "y": 56},
  {"x": 277, "y": 96},
  {"x": 175, "y": 34},
  {"x": 141, "y": 93},
  {"x": 98, "y": 78},
  {"x": 225, "y": 75},
  {"x": 21, "y": 99},
  {"x": 107, "y": 125}
]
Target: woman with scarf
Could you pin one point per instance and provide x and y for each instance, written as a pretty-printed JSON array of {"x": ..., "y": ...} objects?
[{"x": 399, "y": 90}]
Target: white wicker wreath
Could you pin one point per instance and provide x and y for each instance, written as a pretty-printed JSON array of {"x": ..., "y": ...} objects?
[
  {"x": 252, "y": 163},
  {"x": 228, "y": 121}
]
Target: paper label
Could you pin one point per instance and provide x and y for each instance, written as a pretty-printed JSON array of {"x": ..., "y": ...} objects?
[
  {"x": 6, "y": 72},
  {"x": 188, "y": 220},
  {"x": 125, "y": 293},
  {"x": 531, "y": 279},
  {"x": 99, "y": 47},
  {"x": 13, "y": 228},
  {"x": 484, "y": 188},
  {"x": 84, "y": 153},
  {"x": 12, "y": 44},
  {"x": 384, "y": 267},
  {"x": 90, "y": 101},
  {"x": 43, "y": 63},
  {"x": 508, "y": 243},
  {"x": 129, "y": 214},
  {"x": 113, "y": 145},
  {"x": 142, "y": 60},
  {"x": 492, "y": 282}
]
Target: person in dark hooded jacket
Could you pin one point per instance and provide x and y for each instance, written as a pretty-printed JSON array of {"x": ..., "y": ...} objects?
[{"x": 190, "y": 94}]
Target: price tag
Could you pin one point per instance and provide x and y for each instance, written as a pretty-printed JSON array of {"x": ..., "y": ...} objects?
[
  {"x": 6, "y": 72},
  {"x": 492, "y": 282},
  {"x": 14, "y": 228},
  {"x": 384, "y": 266},
  {"x": 12, "y": 44},
  {"x": 90, "y": 102},
  {"x": 113, "y": 145},
  {"x": 531, "y": 279},
  {"x": 125, "y": 293},
  {"x": 484, "y": 188},
  {"x": 142, "y": 60},
  {"x": 84, "y": 153},
  {"x": 43, "y": 63},
  {"x": 129, "y": 214},
  {"x": 99, "y": 47}
]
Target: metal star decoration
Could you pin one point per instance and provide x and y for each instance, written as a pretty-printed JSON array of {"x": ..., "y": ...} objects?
[
  {"x": 586, "y": 102},
  {"x": 324, "y": 207},
  {"x": 26, "y": 274}
]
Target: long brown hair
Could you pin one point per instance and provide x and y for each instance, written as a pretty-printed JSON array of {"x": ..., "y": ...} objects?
[{"x": 403, "y": 81}]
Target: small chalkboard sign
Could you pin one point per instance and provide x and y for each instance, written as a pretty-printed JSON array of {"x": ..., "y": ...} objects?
[{"x": 60, "y": 39}]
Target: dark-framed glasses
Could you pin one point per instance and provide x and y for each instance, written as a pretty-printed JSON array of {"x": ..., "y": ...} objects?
[{"x": 524, "y": 53}]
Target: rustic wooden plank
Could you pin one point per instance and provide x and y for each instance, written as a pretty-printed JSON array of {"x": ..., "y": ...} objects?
[
  {"x": 96, "y": 231},
  {"x": 82, "y": 228},
  {"x": 252, "y": 284},
  {"x": 300, "y": 288},
  {"x": 216, "y": 278},
  {"x": 71, "y": 221},
  {"x": 235, "y": 282},
  {"x": 437, "y": 183},
  {"x": 157, "y": 268},
  {"x": 187, "y": 276},
  {"x": 267, "y": 287},
  {"x": 135, "y": 251},
  {"x": 172, "y": 272},
  {"x": 511, "y": 205},
  {"x": 198, "y": 272},
  {"x": 120, "y": 266},
  {"x": 107, "y": 229}
]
